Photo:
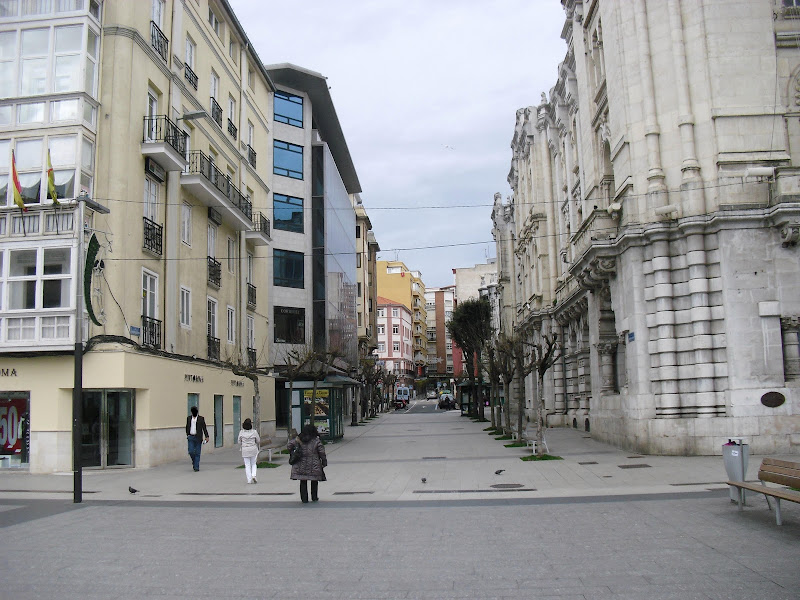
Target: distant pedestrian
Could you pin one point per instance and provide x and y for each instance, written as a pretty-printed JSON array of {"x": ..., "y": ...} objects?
[
  {"x": 251, "y": 444},
  {"x": 195, "y": 430},
  {"x": 310, "y": 467}
]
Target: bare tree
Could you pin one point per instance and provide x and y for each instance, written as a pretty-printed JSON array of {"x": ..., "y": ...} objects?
[
  {"x": 296, "y": 361},
  {"x": 494, "y": 379},
  {"x": 389, "y": 379},
  {"x": 506, "y": 368},
  {"x": 543, "y": 356},
  {"x": 370, "y": 373}
]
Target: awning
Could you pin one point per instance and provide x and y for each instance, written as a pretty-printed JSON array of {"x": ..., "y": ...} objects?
[{"x": 341, "y": 379}]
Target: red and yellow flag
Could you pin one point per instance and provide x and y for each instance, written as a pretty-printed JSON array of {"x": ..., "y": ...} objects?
[
  {"x": 51, "y": 181},
  {"x": 17, "y": 187}
]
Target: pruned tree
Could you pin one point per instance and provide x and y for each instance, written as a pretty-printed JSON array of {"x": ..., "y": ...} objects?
[
  {"x": 544, "y": 355},
  {"x": 506, "y": 348},
  {"x": 494, "y": 379},
  {"x": 471, "y": 328},
  {"x": 295, "y": 364},
  {"x": 389, "y": 379},
  {"x": 370, "y": 373}
]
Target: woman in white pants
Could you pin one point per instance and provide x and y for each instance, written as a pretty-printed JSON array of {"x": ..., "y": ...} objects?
[{"x": 250, "y": 442}]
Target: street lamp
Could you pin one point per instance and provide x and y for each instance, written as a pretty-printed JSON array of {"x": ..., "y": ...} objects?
[{"x": 83, "y": 201}]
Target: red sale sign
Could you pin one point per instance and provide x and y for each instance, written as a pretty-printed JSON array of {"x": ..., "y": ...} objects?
[{"x": 13, "y": 424}]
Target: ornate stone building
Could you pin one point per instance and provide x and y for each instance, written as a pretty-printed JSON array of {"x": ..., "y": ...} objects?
[{"x": 654, "y": 224}]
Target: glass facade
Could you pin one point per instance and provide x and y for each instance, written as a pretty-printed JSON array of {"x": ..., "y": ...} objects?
[
  {"x": 288, "y": 109},
  {"x": 287, "y": 213}
]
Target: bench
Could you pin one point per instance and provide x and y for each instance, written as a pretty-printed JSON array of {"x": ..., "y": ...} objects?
[
  {"x": 269, "y": 445},
  {"x": 529, "y": 437},
  {"x": 773, "y": 470}
]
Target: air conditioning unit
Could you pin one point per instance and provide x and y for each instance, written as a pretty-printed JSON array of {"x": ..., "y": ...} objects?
[
  {"x": 214, "y": 216},
  {"x": 155, "y": 170}
]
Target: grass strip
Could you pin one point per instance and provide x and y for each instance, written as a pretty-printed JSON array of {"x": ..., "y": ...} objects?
[{"x": 542, "y": 457}]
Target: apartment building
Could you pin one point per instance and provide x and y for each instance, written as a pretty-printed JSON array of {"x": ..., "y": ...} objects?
[
  {"x": 367, "y": 249},
  {"x": 654, "y": 226},
  {"x": 439, "y": 306},
  {"x": 395, "y": 340},
  {"x": 148, "y": 250},
  {"x": 314, "y": 298},
  {"x": 396, "y": 282}
]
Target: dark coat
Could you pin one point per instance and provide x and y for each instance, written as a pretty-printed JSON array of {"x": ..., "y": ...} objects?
[
  {"x": 310, "y": 466},
  {"x": 201, "y": 426}
]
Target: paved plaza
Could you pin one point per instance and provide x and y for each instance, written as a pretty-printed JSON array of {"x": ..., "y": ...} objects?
[{"x": 602, "y": 523}]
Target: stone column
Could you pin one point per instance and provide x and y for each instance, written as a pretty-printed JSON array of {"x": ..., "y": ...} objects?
[
  {"x": 607, "y": 351},
  {"x": 663, "y": 327},
  {"x": 790, "y": 328}
]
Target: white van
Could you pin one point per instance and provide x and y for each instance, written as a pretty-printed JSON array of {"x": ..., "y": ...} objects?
[{"x": 403, "y": 394}]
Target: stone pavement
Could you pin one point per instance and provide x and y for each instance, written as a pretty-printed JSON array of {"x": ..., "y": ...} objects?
[{"x": 602, "y": 523}]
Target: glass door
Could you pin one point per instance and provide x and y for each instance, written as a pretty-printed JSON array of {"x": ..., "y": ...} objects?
[
  {"x": 237, "y": 417},
  {"x": 108, "y": 428},
  {"x": 218, "y": 423}
]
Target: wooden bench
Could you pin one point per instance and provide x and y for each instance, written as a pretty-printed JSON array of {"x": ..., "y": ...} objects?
[{"x": 773, "y": 470}]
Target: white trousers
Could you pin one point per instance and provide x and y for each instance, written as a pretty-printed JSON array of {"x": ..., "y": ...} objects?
[{"x": 250, "y": 467}]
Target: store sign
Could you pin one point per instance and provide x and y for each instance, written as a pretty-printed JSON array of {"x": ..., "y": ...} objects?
[
  {"x": 236, "y": 383},
  {"x": 13, "y": 424},
  {"x": 193, "y": 378},
  {"x": 8, "y": 372}
]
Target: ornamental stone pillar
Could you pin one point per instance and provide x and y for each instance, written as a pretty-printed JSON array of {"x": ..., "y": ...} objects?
[{"x": 790, "y": 328}]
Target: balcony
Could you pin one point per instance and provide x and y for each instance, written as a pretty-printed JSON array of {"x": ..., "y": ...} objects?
[
  {"x": 190, "y": 76},
  {"x": 164, "y": 142},
  {"x": 251, "y": 156},
  {"x": 213, "y": 347},
  {"x": 151, "y": 332},
  {"x": 251, "y": 357},
  {"x": 159, "y": 41},
  {"x": 232, "y": 131},
  {"x": 214, "y": 272},
  {"x": 251, "y": 296},
  {"x": 153, "y": 236},
  {"x": 259, "y": 234},
  {"x": 216, "y": 112},
  {"x": 207, "y": 183}
]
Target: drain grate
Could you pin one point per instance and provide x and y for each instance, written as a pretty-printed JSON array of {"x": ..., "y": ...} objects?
[
  {"x": 636, "y": 456},
  {"x": 235, "y": 494},
  {"x": 640, "y": 466},
  {"x": 434, "y": 458},
  {"x": 588, "y": 462},
  {"x": 349, "y": 493},
  {"x": 507, "y": 486}
]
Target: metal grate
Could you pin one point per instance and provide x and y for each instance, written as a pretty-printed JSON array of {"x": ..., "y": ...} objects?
[
  {"x": 507, "y": 486},
  {"x": 634, "y": 466},
  {"x": 350, "y": 493},
  {"x": 588, "y": 462},
  {"x": 434, "y": 458}
]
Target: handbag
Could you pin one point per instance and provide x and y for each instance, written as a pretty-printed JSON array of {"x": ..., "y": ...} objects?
[{"x": 296, "y": 454}]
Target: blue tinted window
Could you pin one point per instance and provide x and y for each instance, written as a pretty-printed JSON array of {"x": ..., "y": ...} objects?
[
  {"x": 288, "y": 160},
  {"x": 288, "y": 268},
  {"x": 288, "y": 109},
  {"x": 287, "y": 213}
]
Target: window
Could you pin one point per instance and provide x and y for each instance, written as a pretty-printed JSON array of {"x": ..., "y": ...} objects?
[
  {"x": 395, "y": 329},
  {"x": 381, "y": 329},
  {"x": 395, "y": 312},
  {"x": 358, "y": 288},
  {"x": 211, "y": 317},
  {"x": 251, "y": 78},
  {"x": 39, "y": 278},
  {"x": 214, "y": 21},
  {"x": 358, "y": 260},
  {"x": 251, "y": 134},
  {"x": 67, "y": 59},
  {"x": 449, "y": 346},
  {"x": 186, "y": 223},
  {"x": 288, "y": 160},
  {"x": 287, "y": 213},
  {"x": 191, "y": 50},
  {"x": 233, "y": 51},
  {"x": 232, "y": 109},
  {"x": 288, "y": 109},
  {"x": 381, "y": 347},
  {"x": 290, "y": 325},
  {"x": 33, "y": 66},
  {"x": 358, "y": 231},
  {"x": 231, "y": 255},
  {"x": 396, "y": 346},
  {"x": 92, "y": 51},
  {"x": 151, "y": 198},
  {"x": 186, "y": 308},
  {"x": 249, "y": 268},
  {"x": 149, "y": 294},
  {"x": 158, "y": 13},
  {"x": 214, "y": 85},
  {"x": 288, "y": 269},
  {"x": 381, "y": 312},
  {"x": 251, "y": 332},
  {"x": 8, "y": 50},
  {"x": 212, "y": 240},
  {"x": 28, "y": 159},
  {"x": 231, "y": 325}
]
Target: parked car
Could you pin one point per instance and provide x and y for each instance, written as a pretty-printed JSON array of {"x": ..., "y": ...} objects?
[
  {"x": 446, "y": 402},
  {"x": 431, "y": 395}
]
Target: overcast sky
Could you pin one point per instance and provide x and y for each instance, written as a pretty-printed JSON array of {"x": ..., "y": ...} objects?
[{"x": 426, "y": 92}]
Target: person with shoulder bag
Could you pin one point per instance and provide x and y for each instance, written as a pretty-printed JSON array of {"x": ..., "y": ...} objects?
[{"x": 309, "y": 465}]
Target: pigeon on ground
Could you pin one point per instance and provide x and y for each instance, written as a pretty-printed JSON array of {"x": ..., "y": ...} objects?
[
  {"x": 424, "y": 480},
  {"x": 132, "y": 490},
  {"x": 499, "y": 471}
]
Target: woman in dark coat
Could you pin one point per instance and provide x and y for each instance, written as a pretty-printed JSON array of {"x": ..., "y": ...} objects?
[{"x": 309, "y": 468}]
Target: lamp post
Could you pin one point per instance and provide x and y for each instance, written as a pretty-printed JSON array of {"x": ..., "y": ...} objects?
[{"x": 77, "y": 387}]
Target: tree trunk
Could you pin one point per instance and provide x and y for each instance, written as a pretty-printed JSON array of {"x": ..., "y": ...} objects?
[
  {"x": 289, "y": 420},
  {"x": 493, "y": 402},
  {"x": 507, "y": 405},
  {"x": 313, "y": 412},
  {"x": 479, "y": 391},
  {"x": 520, "y": 401},
  {"x": 540, "y": 416}
]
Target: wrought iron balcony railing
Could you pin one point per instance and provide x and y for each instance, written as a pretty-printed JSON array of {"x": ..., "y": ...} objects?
[
  {"x": 251, "y": 357},
  {"x": 251, "y": 156},
  {"x": 261, "y": 223},
  {"x": 232, "y": 131},
  {"x": 190, "y": 75},
  {"x": 158, "y": 40},
  {"x": 153, "y": 236},
  {"x": 214, "y": 272},
  {"x": 251, "y": 295},
  {"x": 216, "y": 111},
  {"x": 160, "y": 128},
  {"x": 151, "y": 332},
  {"x": 202, "y": 164},
  {"x": 213, "y": 347}
]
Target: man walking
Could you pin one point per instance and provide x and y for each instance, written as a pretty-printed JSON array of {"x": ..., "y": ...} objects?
[{"x": 195, "y": 429}]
